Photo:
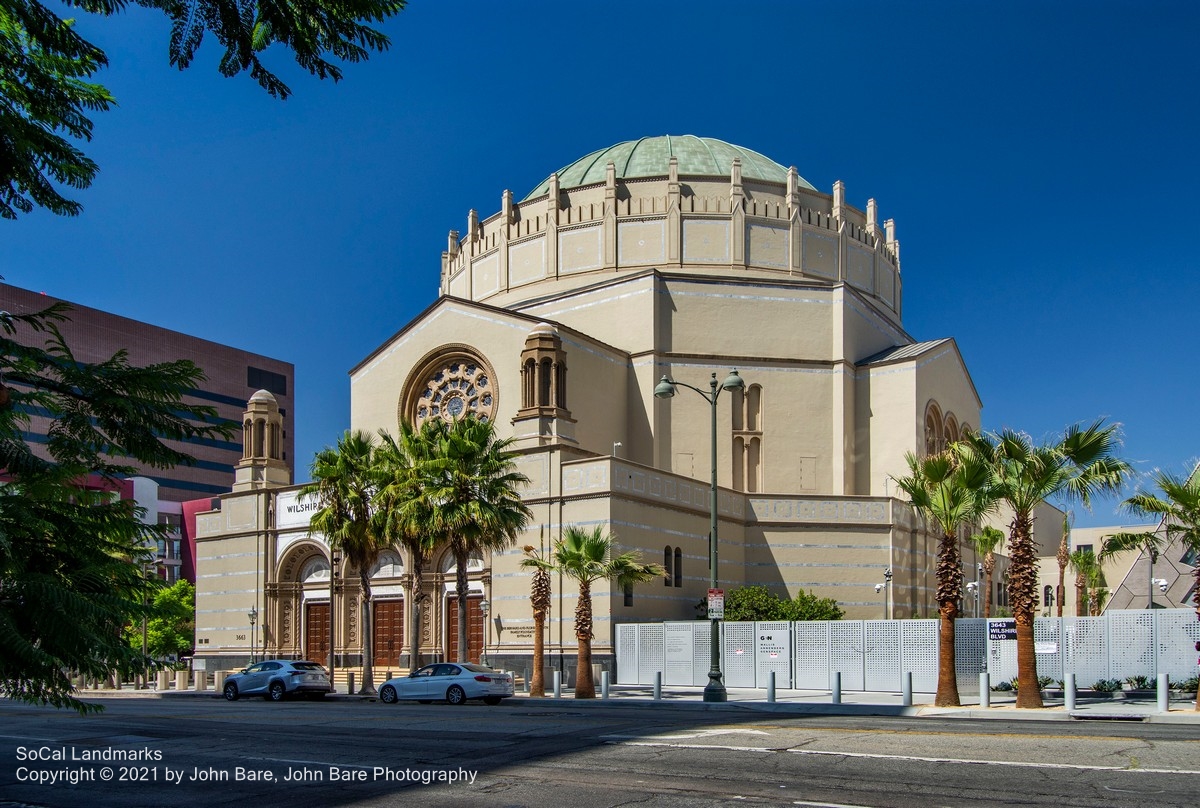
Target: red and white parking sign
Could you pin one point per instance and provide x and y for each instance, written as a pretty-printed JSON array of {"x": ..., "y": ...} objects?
[{"x": 716, "y": 604}]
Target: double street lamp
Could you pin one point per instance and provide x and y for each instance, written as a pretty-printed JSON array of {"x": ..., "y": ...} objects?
[{"x": 715, "y": 689}]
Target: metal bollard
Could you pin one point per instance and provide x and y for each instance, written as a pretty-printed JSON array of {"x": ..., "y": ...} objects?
[
  {"x": 771, "y": 687},
  {"x": 658, "y": 685},
  {"x": 1164, "y": 693},
  {"x": 387, "y": 675},
  {"x": 528, "y": 682},
  {"x": 558, "y": 684},
  {"x": 350, "y": 687},
  {"x": 907, "y": 695},
  {"x": 1069, "y": 692},
  {"x": 985, "y": 690},
  {"x": 837, "y": 687},
  {"x": 604, "y": 684}
]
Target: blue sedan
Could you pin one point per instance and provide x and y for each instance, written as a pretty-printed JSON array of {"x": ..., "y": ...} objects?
[{"x": 452, "y": 682}]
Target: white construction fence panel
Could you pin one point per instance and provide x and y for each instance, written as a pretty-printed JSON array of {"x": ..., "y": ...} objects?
[{"x": 773, "y": 653}]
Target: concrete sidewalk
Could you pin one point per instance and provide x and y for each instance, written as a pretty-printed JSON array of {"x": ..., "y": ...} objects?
[{"x": 813, "y": 702}]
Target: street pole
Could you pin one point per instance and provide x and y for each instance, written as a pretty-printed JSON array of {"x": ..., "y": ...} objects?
[
  {"x": 887, "y": 593},
  {"x": 715, "y": 689},
  {"x": 334, "y": 558}
]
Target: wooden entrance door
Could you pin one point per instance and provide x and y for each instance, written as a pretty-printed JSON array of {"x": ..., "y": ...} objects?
[
  {"x": 474, "y": 629},
  {"x": 316, "y": 632},
  {"x": 389, "y": 632}
]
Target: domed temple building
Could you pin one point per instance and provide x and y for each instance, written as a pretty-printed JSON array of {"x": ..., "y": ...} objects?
[{"x": 558, "y": 315}]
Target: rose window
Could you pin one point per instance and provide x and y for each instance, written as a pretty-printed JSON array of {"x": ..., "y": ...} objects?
[{"x": 456, "y": 388}]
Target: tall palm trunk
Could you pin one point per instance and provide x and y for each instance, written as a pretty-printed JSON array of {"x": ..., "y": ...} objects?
[
  {"x": 1064, "y": 558},
  {"x": 460, "y": 586},
  {"x": 368, "y": 633},
  {"x": 414, "y": 630},
  {"x": 1081, "y": 595},
  {"x": 541, "y": 604},
  {"x": 585, "y": 686},
  {"x": 989, "y": 567},
  {"x": 1022, "y": 599},
  {"x": 1196, "y": 600},
  {"x": 949, "y": 588}
]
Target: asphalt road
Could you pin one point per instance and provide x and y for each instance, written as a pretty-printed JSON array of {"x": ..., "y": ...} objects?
[{"x": 191, "y": 751}]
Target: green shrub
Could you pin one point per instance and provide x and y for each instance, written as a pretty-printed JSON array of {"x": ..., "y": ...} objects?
[
  {"x": 1004, "y": 687},
  {"x": 1140, "y": 682},
  {"x": 1187, "y": 685},
  {"x": 1107, "y": 686},
  {"x": 759, "y": 603}
]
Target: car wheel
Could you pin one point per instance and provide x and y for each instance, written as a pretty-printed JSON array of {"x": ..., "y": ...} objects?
[
  {"x": 456, "y": 695},
  {"x": 276, "y": 691},
  {"x": 387, "y": 694},
  {"x": 492, "y": 700},
  {"x": 231, "y": 693}
]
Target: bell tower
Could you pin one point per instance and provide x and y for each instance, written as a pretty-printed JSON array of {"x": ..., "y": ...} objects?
[
  {"x": 544, "y": 418},
  {"x": 262, "y": 464}
]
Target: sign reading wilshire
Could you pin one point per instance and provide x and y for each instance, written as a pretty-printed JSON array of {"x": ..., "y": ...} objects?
[{"x": 1002, "y": 630}]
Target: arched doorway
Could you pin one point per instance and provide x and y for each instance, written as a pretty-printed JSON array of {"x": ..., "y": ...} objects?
[
  {"x": 387, "y": 609},
  {"x": 314, "y": 582},
  {"x": 475, "y": 633}
]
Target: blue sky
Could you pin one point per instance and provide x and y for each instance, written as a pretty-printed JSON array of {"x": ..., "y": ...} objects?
[{"x": 1040, "y": 161}]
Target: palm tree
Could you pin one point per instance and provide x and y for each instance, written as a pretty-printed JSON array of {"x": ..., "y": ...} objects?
[
  {"x": 1086, "y": 565},
  {"x": 986, "y": 542},
  {"x": 1078, "y": 466},
  {"x": 344, "y": 481},
  {"x": 470, "y": 488},
  {"x": 539, "y": 600},
  {"x": 588, "y": 556},
  {"x": 1064, "y": 558},
  {"x": 403, "y": 515},
  {"x": 952, "y": 491},
  {"x": 1179, "y": 509}
]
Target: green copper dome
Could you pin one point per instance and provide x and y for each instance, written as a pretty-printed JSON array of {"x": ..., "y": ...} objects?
[{"x": 648, "y": 157}]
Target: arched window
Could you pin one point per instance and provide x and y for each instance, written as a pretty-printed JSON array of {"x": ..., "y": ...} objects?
[
  {"x": 389, "y": 565},
  {"x": 950, "y": 431},
  {"x": 753, "y": 408},
  {"x": 668, "y": 565},
  {"x": 544, "y": 376},
  {"x": 933, "y": 428},
  {"x": 753, "y": 465},
  {"x": 317, "y": 569},
  {"x": 678, "y": 567},
  {"x": 747, "y": 439}
]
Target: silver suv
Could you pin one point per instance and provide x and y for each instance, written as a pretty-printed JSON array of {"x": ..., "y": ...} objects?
[{"x": 276, "y": 678}]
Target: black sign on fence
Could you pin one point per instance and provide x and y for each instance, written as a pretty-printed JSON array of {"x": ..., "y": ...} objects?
[{"x": 1002, "y": 630}]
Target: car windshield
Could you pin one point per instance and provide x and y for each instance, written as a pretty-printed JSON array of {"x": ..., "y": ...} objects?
[
  {"x": 307, "y": 666},
  {"x": 473, "y": 668}
]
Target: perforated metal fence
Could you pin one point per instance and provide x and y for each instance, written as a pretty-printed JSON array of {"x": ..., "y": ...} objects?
[
  {"x": 874, "y": 655},
  {"x": 1116, "y": 645}
]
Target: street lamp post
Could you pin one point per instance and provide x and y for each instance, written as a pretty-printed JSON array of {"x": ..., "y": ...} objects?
[
  {"x": 253, "y": 640},
  {"x": 484, "y": 607},
  {"x": 887, "y": 593},
  {"x": 715, "y": 689},
  {"x": 335, "y": 559}
]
